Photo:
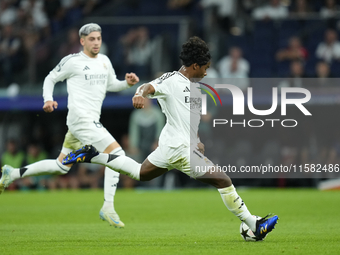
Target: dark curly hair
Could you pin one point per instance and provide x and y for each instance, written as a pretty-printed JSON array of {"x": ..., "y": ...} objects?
[{"x": 195, "y": 50}]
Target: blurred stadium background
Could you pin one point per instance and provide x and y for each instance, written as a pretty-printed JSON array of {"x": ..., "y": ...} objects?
[{"x": 287, "y": 39}]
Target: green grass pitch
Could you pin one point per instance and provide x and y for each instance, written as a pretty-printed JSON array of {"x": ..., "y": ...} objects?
[{"x": 177, "y": 222}]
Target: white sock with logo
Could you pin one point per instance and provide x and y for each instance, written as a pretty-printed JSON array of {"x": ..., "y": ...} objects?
[
  {"x": 236, "y": 205},
  {"x": 43, "y": 167},
  {"x": 111, "y": 180},
  {"x": 121, "y": 164}
]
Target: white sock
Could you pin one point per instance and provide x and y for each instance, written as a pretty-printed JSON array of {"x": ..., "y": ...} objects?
[
  {"x": 236, "y": 205},
  {"x": 111, "y": 180},
  {"x": 121, "y": 164},
  {"x": 43, "y": 167}
]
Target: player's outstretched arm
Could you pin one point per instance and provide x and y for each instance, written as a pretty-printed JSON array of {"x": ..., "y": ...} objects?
[
  {"x": 115, "y": 85},
  {"x": 49, "y": 106},
  {"x": 141, "y": 93}
]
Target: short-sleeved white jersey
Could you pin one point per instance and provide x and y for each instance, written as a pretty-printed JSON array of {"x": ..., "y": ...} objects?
[
  {"x": 88, "y": 80},
  {"x": 181, "y": 102}
]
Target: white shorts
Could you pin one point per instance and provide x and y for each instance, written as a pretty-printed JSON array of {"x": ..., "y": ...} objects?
[
  {"x": 86, "y": 132},
  {"x": 185, "y": 159}
]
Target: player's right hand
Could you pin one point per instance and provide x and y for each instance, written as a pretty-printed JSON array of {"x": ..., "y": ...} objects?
[
  {"x": 131, "y": 78},
  {"x": 200, "y": 147},
  {"x": 138, "y": 101},
  {"x": 49, "y": 106}
]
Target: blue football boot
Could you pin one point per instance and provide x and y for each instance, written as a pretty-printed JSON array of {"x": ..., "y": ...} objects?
[
  {"x": 264, "y": 226},
  {"x": 84, "y": 154}
]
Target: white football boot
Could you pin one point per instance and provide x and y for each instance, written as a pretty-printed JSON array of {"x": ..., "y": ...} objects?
[
  {"x": 6, "y": 177},
  {"x": 112, "y": 218}
]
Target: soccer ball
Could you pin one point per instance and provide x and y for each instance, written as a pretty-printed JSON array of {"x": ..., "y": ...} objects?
[{"x": 246, "y": 232}]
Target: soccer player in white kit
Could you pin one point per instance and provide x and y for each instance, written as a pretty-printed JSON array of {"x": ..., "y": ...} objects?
[
  {"x": 179, "y": 147},
  {"x": 89, "y": 76}
]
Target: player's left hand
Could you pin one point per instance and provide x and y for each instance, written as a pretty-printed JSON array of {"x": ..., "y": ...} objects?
[
  {"x": 200, "y": 147},
  {"x": 138, "y": 101},
  {"x": 131, "y": 78}
]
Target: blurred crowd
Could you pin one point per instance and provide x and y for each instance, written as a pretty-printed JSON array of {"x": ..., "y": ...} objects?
[
  {"x": 27, "y": 25},
  {"x": 237, "y": 31},
  {"x": 293, "y": 39},
  {"x": 290, "y": 39}
]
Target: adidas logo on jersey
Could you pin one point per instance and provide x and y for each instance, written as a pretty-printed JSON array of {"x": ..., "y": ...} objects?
[
  {"x": 86, "y": 68},
  {"x": 186, "y": 89}
]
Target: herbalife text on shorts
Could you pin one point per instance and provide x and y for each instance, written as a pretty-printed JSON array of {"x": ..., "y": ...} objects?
[{"x": 239, "y": 102}]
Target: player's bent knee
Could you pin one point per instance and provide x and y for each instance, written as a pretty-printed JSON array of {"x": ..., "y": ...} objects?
[
  {"x": 223, "y": 183},
  {"x": 216, "y": 179},
  {"x": 145, "y": 177},
  {"x": 148, "y": 171}
]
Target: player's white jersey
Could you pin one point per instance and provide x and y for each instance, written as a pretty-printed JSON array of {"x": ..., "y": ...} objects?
[
  {"x": 88, "y": 79},
  {"x": 181, "y": 102}
]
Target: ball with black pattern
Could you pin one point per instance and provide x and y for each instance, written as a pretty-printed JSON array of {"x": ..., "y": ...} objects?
[{"x": 247, "y": 234}]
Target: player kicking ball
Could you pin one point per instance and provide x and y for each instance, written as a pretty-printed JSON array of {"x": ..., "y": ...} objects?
[{"x": 179, "y": 146}]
